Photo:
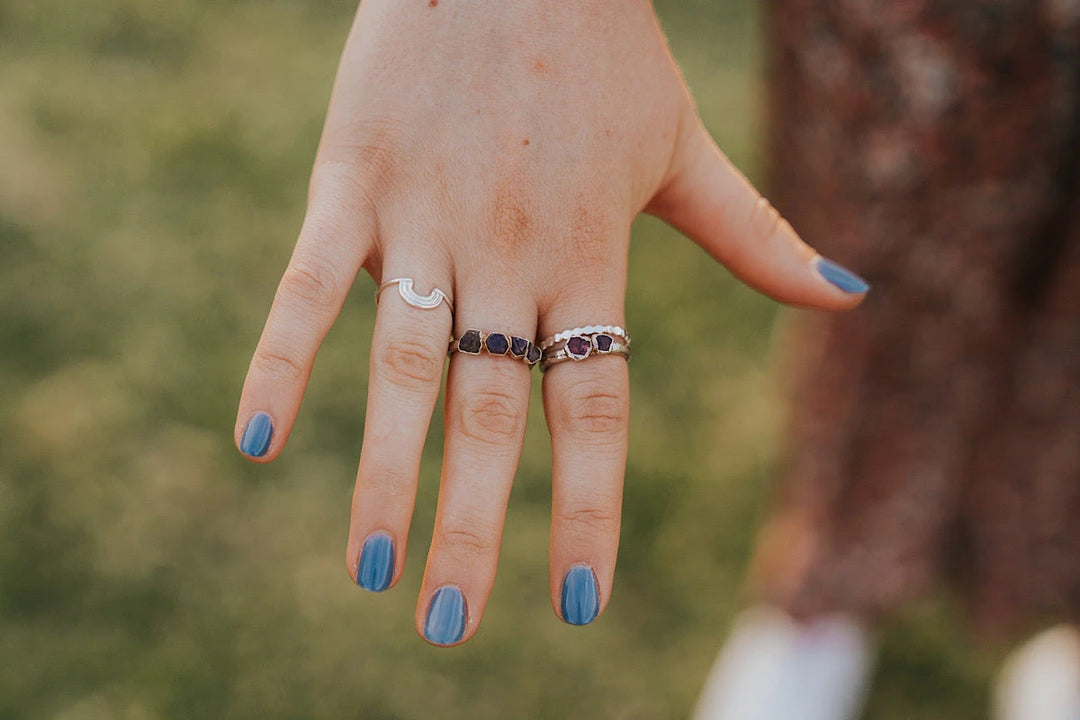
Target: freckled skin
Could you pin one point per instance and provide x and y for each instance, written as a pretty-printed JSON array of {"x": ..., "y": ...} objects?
[
  {"x": 500, "y": 196},
  {"x": 499, "y": 151}
]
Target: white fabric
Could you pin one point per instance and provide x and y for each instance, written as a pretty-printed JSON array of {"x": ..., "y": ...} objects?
[
  {"x": 1041, "y": 679},
  {"x": 772, "y": 668}
]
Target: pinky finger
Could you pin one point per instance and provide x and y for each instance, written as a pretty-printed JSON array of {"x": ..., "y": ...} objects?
[{"x": 333, "y": 245}]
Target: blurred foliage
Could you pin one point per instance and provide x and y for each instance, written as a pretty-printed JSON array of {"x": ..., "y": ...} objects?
[{"x": 153, "y": 162}]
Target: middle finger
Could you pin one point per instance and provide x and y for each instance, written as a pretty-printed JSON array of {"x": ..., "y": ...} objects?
[{"x": 487, "y": 399}]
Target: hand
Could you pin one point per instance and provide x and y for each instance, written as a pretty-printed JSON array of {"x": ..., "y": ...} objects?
[{"x": 500, "y": 151}]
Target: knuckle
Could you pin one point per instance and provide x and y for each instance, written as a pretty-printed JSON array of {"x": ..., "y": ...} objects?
[
  {"x": 512, "y": 213},
  {"x": 311, "y": 282},
  {"x": 588, "y": 519},
  {"x": 375, "y": 155},
  {"x": 409, "y": 363},
  {"x": 365, "y": 151},
  {"x": 491, "y": 417},
  {"x": 764, "y": 221},
  {"x": 593, "y": 231},
  {"x": 469, "y": 540},
  {"x": 337, "y": 186},
  {"x": 391, "y": 485},
  {"x": 278, "y": 364},
  {"x": 594, "y": 409}
]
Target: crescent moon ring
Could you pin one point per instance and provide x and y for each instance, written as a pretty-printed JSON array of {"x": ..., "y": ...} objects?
[{"x": 410, "y": 296}]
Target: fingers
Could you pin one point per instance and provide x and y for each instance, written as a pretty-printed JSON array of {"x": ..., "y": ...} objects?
[
  {"x": 487, "y": 401},
  {"x": 710, "y": 201},
  {"x": 334, "y": 242},
  {"x": 587, "y": 407},
  {"x": 408, "y": 352}
]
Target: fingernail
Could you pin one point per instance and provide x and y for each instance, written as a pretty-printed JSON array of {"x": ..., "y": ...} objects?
[
  {"x": 445, "y": 624},
  {"x": 376, "y": 563},
  {"x": 257, "y": 433},
  {"x": 840, "y": 276},
  {"x": 580, "y": 596}
]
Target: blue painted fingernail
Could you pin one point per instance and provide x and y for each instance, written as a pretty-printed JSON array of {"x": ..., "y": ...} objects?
[
  {"x": 841, "y": 277},
  {"x": 445, "y": 623},
  {"x": 580, "y": 596},
  {"x": 376, "y": 563},
  {"x": 257, "y": 433}
]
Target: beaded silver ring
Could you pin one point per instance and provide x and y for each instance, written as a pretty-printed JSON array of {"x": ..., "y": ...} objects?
[
  {"x": 586, "y": 330},
  {"x": 584, "y": 342}
]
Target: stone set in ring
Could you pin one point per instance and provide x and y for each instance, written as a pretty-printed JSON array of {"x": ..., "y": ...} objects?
[
  {"x": 473, "y": 342},
  {"x": 576, "y": 344},
  {"x": 584, "y": 342},
  {"x": 587, "y": 330}
]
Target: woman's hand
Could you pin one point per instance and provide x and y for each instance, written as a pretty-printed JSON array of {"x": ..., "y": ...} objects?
[{"x": 499, "y": 151}]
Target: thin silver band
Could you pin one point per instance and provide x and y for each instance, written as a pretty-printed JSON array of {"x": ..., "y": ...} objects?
[
  {"x": 587, "y": 330},
  {"x": 560, "y": 356},
  {"x": 409, "y": 295}
]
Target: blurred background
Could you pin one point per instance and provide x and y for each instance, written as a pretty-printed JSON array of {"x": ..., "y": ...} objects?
[{"x": 153, "y": 167}]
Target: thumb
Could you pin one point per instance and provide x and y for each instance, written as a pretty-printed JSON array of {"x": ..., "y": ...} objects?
[{"x": 709, "y": 200}]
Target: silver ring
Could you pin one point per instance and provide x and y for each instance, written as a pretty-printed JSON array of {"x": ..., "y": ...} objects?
[
  {"x": 409, "y": 295},
  {"x": 551, "y": 358},
  {"x": 584, "y": 342},
  {"x": 587, "y": 330}
]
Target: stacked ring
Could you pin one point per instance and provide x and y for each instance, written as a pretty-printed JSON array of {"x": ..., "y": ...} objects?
[
  {"x": 473, "y": 342},
  {"x": 587, "y": 330},
  {"x": 584, "y": 342}
]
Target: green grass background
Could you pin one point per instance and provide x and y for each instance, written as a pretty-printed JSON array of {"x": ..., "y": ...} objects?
[{"x": 153, "y": 163}]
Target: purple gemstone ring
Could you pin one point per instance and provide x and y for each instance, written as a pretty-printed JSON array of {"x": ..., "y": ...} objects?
[
  {"x": 613, "y": 330},
  {"x": 584, "y": 342},
  {"x": 474, "y": 342}
]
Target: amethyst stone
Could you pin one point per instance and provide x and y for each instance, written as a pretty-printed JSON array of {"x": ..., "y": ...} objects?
[
  {"x": 518, "y": 346},
  {"x": 470, "y": 342},
  {"x": 603, "y": 343},
  {"x": 532, "y": 355},
  {"x": 578, "y": 347},
  {"x": 497, "y": 344}
]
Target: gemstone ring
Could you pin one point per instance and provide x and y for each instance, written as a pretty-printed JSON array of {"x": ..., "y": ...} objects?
[
  {"x": 584, "y": 342},
  {"x": 473, "y": 342},
  {"x": 614, "y": 330}
]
